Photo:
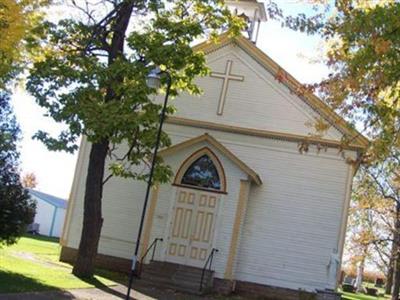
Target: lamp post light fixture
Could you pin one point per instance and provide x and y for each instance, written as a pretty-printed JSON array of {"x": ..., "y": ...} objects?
[{"x": 153, "y": 80}]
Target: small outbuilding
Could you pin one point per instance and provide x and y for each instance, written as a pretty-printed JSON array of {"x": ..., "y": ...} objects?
[{"x": 50, "y": 213}]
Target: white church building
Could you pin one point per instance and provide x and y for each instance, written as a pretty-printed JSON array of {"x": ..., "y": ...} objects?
[{"x": 276, "y": 215}]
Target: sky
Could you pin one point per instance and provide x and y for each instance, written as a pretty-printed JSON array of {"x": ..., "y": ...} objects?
[{"x": 54, "y": 170}]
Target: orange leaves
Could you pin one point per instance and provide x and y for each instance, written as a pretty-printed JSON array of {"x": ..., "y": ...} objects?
[
  {"x": 300, "y": 90},
  {"x": 29, "y": 181},
  {"x": 381, "y": 46},
  {"x": 281, "y": 75}
]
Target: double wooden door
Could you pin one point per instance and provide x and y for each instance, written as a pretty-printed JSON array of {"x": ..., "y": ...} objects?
[{"x": 192, "y": 227}]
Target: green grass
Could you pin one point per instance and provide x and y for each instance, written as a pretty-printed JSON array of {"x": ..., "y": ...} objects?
[
  {"x": 361, "y": 296},
  {"x": 32, "y": 265},
  {"x": 358, "y": 296}
]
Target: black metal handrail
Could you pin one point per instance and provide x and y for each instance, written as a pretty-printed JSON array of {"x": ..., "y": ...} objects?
[
  {"x": 209, "y": 260},
  {"x": 152, "y": 246}
]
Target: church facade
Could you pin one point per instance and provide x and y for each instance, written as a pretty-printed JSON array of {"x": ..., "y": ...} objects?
[{"x": 276, "y": 214}]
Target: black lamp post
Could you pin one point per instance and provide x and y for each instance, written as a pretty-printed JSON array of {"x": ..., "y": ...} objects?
[{"x": 153, "y": 81}]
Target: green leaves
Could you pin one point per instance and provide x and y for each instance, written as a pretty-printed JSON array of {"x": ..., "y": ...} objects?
[
  {"x": 365, "y": 79},
  {"x": 86, "y": 83},
  {"x": 16, "y": 208}
]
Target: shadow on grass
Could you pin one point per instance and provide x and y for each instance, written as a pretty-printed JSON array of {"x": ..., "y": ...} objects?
[{"x": 12, "y": 284}]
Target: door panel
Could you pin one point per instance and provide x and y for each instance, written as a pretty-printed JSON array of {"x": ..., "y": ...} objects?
[
  {"x": 181, "y": 226},
  {"x": 203, "y": 229},
  {"x": 192, "y": 227}
]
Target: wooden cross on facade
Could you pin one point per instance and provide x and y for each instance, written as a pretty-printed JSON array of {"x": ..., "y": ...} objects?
[{"x": 226, "y": 77}]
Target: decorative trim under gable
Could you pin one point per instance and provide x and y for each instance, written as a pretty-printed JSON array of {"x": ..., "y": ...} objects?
[{"x": 261, "y": 133}]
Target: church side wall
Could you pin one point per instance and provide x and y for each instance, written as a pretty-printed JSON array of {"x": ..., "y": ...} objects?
[
  {"x": 123, "y": 202},
  {"x": 292, "y": 221},
  {"x": 121, "y": 206},
  {"x": 74, "y": 216}
]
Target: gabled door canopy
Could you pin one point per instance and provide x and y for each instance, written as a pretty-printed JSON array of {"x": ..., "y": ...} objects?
[{"x": 212, "y": 141}]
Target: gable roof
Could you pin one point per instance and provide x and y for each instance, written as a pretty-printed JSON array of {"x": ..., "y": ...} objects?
[
  {"x": 212, "y": 141},
  {"x": 55, "y": 201},
  {"x": 320, "y": 107}
]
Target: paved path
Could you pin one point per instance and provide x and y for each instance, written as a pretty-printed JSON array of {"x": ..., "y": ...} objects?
[{"x": 142, "y": 292}]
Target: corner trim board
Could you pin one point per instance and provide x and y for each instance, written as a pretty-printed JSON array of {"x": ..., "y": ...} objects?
[
  {"x": 149, "y": 220},
  {"x": 345, "y": 213},
  {"x": 236, "y": 230},
  {"x": 73, "y": 193}
]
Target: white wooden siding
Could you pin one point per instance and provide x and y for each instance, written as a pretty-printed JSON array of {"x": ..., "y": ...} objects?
[
  {"x": 258, "y": 102},
  {"x": 292, "y": 221}
]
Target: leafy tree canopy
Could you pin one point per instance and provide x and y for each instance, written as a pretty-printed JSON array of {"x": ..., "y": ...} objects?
[
  {"x": 363, "y": 42},
  {"x": 19, "y": 20},
  {"x": 103, "y": 95},
  {"x": 16, "y": 207}
]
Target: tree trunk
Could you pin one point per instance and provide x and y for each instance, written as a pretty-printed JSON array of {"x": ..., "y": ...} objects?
[
  {"x": 390, "y": 273},
  {"x": 360, "y": 275},
  {"x": 396, "y": 278},
  {"x": 396, "y": 240},
  {"x": 389, "y": 279},
  {"x": 92, "y": 217}
]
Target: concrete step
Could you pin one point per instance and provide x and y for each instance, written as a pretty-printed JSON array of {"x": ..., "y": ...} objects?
[
  {"x": 177, "y": 288},
  {"x": 177, "y": 273},
  {"x": 176, "y": 277},
  {"x": 183, "y": 279},
  {"x": 164, "y": 266}
]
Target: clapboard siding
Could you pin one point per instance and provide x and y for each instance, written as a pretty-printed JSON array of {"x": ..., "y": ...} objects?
[
  {"x": 292, "y": 220},
  {"x": 301, "y": 217},
  {"x": 258, "y": 102}
]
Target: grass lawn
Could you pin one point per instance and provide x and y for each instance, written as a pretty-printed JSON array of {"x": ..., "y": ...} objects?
[
  {"x": 358, "y": 296},
  {"x": 32, "y": 265}
]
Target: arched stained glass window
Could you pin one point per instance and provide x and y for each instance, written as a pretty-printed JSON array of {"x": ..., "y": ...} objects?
[{"x": 202, "y": 173}]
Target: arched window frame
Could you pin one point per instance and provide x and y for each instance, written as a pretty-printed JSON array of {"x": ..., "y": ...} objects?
[{"x": 191, "y": 159}]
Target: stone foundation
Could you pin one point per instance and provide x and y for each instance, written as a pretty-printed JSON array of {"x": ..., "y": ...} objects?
[
  {"x": 102, "y": 261},
  {"x": 260, "y": 291},
  {"x": 220, "y": 286},
  {"x": 223, "y": 287},
  {"x": 328, "y": 295}
]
